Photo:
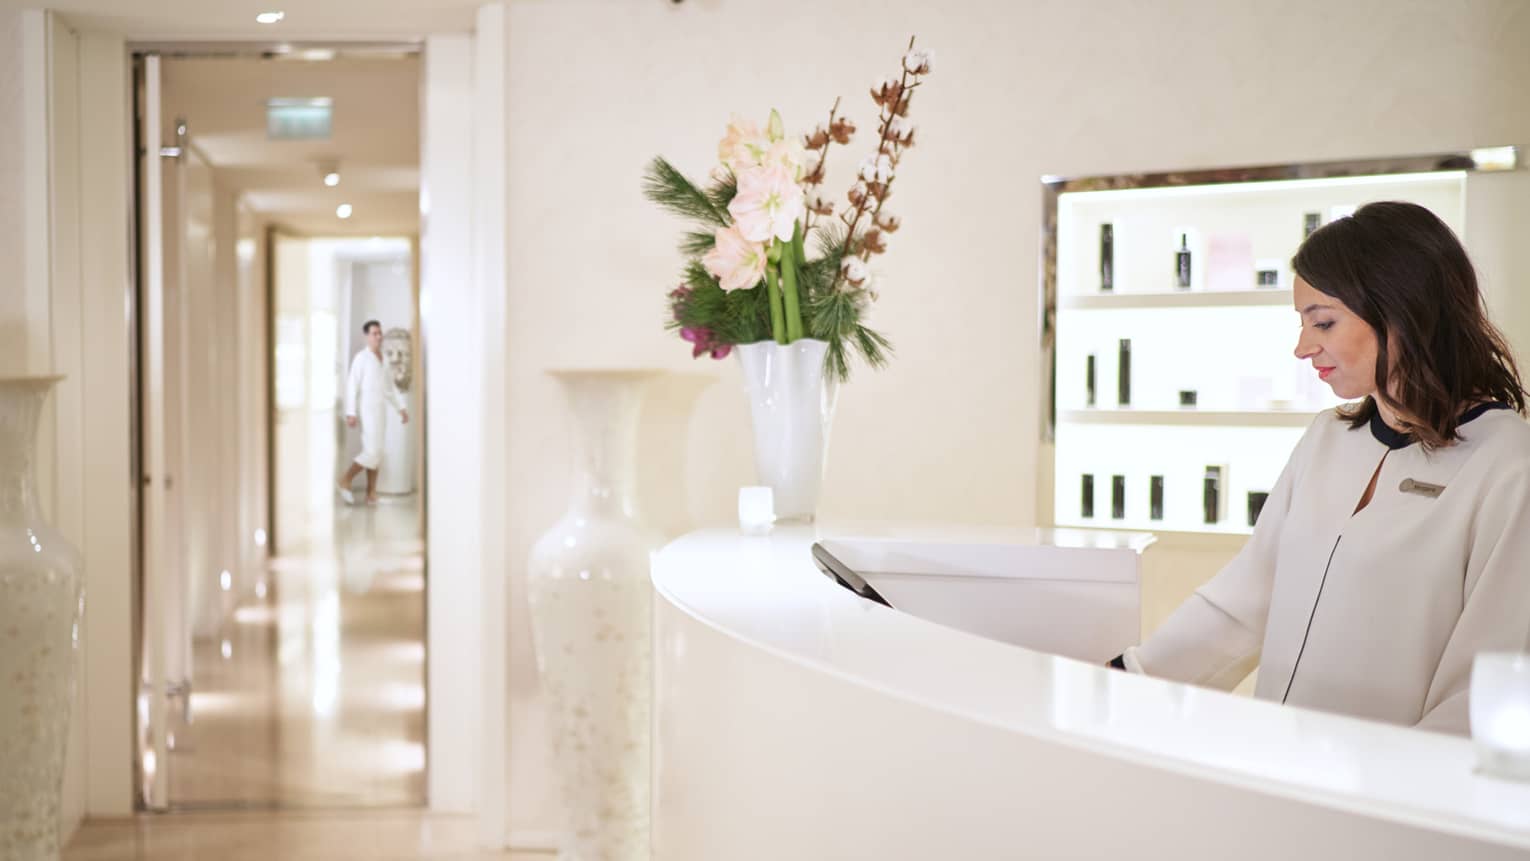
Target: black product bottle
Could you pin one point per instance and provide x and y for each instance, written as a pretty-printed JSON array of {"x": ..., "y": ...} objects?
[
  {"x": 1124, "y": 373},
  {"x": 1155, "y": 497},
  {"x": 1107, "y": 258},
  {"x": 1182, "y": 262},
  {"x": 1212, "y": 494},
  {"x": 1086, "y": 500},
  {"x": 1256, "y": 501},
  {"x": 1089, "y": 381},
  {"x": 1118, "y": 496}
]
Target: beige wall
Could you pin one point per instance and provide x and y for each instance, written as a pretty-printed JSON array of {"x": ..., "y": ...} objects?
[
  {"x": 13, "y": 329},
  {"x": 63, "y": 312},
  {"x": 106, "y": 450},
  {"x": 1020, "y": 89},
  {"x": 24, "y": 312},
  {"x": 66, "y": 297}
]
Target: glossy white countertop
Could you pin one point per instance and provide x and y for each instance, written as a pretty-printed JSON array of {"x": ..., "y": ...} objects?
[{"x": 766, "y": 593}]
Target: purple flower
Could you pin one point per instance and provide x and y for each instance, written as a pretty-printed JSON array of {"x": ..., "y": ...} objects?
[
  {"x": 704, "y": 342},
  {"x": 678, "y": 298}
]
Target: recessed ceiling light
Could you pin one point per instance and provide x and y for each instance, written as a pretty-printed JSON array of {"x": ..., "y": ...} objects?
[
  {"x": 343, "y": 210},
  {"x": 270, "y": 17},
  {"x": 332, "y": 178}
]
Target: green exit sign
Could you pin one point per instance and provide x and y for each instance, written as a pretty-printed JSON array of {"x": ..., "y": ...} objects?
[{"x": 299, "y": 119}]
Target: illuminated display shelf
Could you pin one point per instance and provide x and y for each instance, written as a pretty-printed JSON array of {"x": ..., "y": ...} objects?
[
  {"x": 1190, "y": 416},
  {"x": 1157, "y": 527},
  {"x": 1181, "y": 299},
  {"x": 1232, "y": 346}
]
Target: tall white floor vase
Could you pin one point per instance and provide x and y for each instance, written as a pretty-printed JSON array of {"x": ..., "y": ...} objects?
[
  {"x": 40, "y": 606},
  {"x": 590, "y": 603},
  {"x": 792, "y": 405}
]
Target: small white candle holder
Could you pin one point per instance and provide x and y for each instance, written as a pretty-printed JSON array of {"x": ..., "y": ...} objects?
[
  {"x": 756, "y": 510},
  {"x": 1500, "y": 713}
]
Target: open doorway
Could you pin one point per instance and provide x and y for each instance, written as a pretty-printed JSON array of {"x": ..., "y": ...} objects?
[
  {"x": 281, "y": 630},
  {"x": 347, "y": 388}
]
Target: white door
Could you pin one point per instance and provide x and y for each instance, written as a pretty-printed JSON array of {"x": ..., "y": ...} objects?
[{"x": 166, "y": 635}]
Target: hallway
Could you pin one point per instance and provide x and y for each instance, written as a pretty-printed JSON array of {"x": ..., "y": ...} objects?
[{"x": 313, "y": 693}]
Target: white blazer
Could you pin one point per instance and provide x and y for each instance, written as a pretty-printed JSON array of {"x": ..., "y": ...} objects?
[{"x": 1376, "y": 614}]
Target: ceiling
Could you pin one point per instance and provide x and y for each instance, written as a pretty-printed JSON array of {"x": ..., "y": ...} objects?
[
  {"x": 376, "y": 100},
  {"x": 374, "y": 137},
  {"x": 235, "y": 19}
]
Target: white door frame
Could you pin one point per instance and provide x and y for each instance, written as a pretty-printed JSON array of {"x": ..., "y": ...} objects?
[{"x": 462, "y": 179}]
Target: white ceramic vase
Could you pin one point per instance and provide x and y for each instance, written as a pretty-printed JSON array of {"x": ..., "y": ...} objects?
[
  {"x": 792, "y": 405},
  {"x": 40, "y": 605},
  {"x": 590, "y": 599}
]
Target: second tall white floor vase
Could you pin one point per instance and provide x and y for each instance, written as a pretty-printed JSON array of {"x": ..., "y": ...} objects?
[{"x": 590, "y": 598}]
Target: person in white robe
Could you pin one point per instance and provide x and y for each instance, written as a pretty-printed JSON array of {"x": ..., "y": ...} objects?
[
  {"x": 368, "y": 395},
  {"x": 1396, "y": 544}
]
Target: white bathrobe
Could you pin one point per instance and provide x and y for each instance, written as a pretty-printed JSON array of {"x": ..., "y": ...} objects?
[
  {"x": 1376, "y": 614},
  {"x": 368, "y": 393}
]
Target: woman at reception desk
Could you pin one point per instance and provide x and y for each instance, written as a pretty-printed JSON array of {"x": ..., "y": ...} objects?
[
  {"x": 974, "y": 719},
  {"x": 1396, "y": 545}
]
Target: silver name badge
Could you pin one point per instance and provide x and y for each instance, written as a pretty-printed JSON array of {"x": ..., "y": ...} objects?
[{"x": 1421, "y": 488}]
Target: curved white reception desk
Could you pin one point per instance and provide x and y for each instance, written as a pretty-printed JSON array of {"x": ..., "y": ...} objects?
[{"x": 795, "y": 720}]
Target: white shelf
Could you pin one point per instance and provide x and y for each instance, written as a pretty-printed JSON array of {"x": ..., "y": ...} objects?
[
  {"x": 1191, "y": 417},
  {"x": 1180, "y": 299},
  {"x": 1157, "y": 527}
]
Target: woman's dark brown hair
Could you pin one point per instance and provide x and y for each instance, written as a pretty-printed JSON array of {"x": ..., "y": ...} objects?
[{"x": 1402, "y": 270}]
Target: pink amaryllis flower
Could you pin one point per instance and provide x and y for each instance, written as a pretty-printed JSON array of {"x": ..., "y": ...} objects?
[
  {"x": 787, "y": 153},
  {"x": 744, "y": 146},
  {"x": 768, "y": 204},
  {"x": 737, "y": 262}
]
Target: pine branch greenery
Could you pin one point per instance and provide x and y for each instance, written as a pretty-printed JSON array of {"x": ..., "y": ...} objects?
[
  {"x": 831, "y": 239},
  {"x": 669, "y": 188},
  {"x": 721, "y": 192},
  {"x": 696, "y": 243},
  {"x": 697, "y": 277},
  {"x": 817, "y": 277},
  {"x": 835, "y": 317},
  {"x": 736, "y": 317}
]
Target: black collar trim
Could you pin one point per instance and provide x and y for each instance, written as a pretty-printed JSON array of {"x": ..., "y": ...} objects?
[{"x": 1394, "y": 439}]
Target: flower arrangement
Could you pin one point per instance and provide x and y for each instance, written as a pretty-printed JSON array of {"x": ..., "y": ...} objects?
[{"x": 748, "y": 277}]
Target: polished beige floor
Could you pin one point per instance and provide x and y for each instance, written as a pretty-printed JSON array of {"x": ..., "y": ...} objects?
[
  {"x": 311, "y": 694},
  {"x": 371, "y": 835}
]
